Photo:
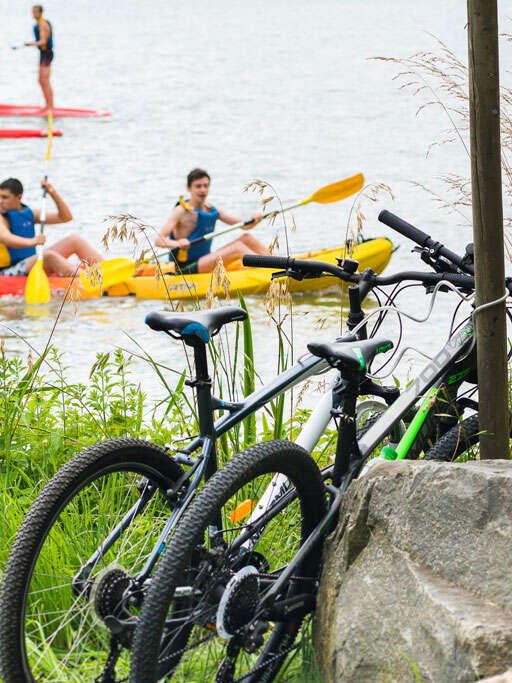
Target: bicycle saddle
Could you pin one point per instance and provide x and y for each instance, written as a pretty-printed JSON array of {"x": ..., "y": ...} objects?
[
  {"x": 202, "y": 324},
  {"x": 355, "y": 355}
]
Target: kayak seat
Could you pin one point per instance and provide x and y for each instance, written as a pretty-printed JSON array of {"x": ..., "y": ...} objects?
[
  {"x": 356, "y": 355},
  {"x": 199, "y": 324}
]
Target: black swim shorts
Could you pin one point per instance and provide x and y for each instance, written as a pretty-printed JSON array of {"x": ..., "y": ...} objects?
[
  {"x": 187, "y": 268},
  {"x": 46, "y": 57}
]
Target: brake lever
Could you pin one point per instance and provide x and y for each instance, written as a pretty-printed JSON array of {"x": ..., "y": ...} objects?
[
  {"x": 295, "y": 274},
  {"x": 437, "y": 263},
  {"x": 287, "y": 273}
]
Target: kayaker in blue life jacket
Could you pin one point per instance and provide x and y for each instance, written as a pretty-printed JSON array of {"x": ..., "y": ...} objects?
[
  {"x": 195, "y": 218},
  {"x": 18, "y": 239},
  {"x": 43, "y": 34}
]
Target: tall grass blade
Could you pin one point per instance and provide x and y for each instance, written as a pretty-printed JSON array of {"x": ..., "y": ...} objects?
[{"x": 249, "y": 422}]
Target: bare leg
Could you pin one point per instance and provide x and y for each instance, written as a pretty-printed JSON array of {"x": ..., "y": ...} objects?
[
  {"x": 254, "y": 245},
  {"x": 74, "y": 244},
  {"x": 233, "y": 251},
  {"x": 44, "y": 82},
  {"x": 55, "y": 259}
]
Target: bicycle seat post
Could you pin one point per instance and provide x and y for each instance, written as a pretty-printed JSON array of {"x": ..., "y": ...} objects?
[{"x": 203, "y": 386}]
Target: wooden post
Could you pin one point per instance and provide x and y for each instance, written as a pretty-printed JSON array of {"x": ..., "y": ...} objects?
[{"x": 484, "y": 107}]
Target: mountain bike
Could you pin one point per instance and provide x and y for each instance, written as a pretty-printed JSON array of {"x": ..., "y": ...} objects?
[{"x": 241, "y": 572}]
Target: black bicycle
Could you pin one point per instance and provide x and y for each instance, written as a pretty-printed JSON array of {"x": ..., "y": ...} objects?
[{"x": 241, "y": 571}]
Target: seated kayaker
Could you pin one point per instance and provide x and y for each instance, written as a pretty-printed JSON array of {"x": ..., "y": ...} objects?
[
  {"x": 195, "y": 218},
  {"x": 18, "y": 239}
]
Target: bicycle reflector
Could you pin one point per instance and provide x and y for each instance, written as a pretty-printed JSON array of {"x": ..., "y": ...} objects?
[{"x": 241, "y": 511}]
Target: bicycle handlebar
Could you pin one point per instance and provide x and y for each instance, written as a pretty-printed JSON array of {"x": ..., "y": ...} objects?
[
  {"x": 424, "y": 240},
  {"x": 317, "y": 267},
  {"x": 290, "y": 263}
]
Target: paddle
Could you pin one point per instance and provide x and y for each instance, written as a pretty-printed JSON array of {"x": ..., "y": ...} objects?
[
  {"x": 37, "y": 290},
  {"x": 328, "y": 194}
]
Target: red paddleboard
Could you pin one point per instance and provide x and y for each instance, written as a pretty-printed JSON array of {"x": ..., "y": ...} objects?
[
  {"x": 27, "y": 133},
  {"x": 16, "y": 110}
]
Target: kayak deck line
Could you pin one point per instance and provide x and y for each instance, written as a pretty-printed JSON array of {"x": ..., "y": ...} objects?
[
  {"x": 373, "y": 253},
  {"x": 27, "y": 133},
  {"x": 21, "y": 110}
]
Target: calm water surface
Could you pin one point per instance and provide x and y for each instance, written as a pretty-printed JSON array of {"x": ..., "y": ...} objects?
[{"x": 278, "y": 90}]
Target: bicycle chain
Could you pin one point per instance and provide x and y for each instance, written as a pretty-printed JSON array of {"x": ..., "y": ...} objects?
[{"x": 295, "y": 646}]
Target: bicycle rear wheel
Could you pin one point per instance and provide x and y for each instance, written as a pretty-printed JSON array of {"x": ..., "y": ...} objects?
[
  {"x": 459, "y": 441},
  {"x": 53, "y": 626},
  {"x": 209, "y": 584}
]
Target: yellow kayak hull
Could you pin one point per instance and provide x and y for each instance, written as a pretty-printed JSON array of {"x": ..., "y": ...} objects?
[{"x": 374, "y": 254}]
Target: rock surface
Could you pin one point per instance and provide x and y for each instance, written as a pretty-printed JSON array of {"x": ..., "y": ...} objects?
[{"x": 417, "y": 582}]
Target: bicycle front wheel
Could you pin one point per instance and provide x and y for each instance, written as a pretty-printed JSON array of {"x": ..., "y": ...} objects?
[
  {"x": 230, "y": 547},
  {"x": 74, "y": 559}
]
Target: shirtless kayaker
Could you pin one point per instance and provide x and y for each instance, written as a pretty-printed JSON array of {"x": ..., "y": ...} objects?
[
  {"x": 44, "y": 42},
  {"x": 18, "y": 240},
  {"x": 196, "y": 219}
]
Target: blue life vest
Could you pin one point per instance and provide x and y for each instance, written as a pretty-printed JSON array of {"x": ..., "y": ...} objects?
[
  {"x": 205, "y": 224},
  {"x": 21, "y": 224},
  {"x": 49, "y": 42}
]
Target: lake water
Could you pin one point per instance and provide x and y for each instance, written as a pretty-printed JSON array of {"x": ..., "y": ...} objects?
[{"x": 277, "y": 90}]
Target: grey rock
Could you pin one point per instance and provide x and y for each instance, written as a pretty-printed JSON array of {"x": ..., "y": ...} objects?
[{"x": 417, "y": 580}]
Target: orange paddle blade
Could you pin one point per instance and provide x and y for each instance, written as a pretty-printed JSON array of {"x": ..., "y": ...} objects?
[{"x": 337, "y": 191}]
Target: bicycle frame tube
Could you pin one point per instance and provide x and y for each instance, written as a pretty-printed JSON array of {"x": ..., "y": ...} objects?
[{"x": 306, "y": 367}]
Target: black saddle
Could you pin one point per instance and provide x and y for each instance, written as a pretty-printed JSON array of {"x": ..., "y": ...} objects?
[
  {"x": 356, "y": 355},
  {"x": 201, "y": 324}
]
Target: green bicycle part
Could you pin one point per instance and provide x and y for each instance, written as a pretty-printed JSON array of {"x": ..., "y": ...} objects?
[
  {"x": 359, "y": 354},
  {"x": 412, "y": 430},
  {"x": 379, "y": 349},
  {"x": 388, "y": 453},
  {"x": 458, "y": 375}
]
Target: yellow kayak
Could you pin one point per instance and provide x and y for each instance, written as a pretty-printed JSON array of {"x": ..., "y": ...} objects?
[{"x": 373, "y": 253}]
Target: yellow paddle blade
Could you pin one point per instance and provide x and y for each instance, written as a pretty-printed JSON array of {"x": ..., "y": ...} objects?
[
  {"x": 242, "y": 510},
  {"x": 37, "y": 290},
  {"x": 337, "y": 191},
  {"x": 106, "y": 274}
]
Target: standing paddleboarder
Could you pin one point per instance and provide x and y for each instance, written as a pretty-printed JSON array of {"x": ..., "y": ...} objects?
[{"x": 44, "y": 42}]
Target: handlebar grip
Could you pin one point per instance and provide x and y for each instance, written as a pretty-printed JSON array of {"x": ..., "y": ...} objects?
[
  {"x": 404, "y": 228},
  {"x": 263, "y": 261}
]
